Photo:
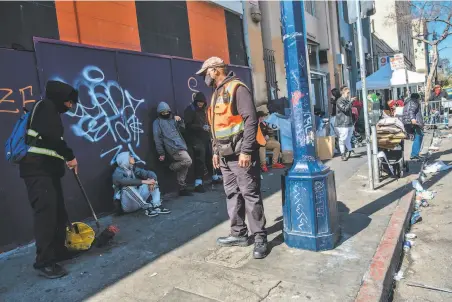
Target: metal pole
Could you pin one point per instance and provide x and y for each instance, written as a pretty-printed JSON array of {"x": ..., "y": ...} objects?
[{"x": 364, "y": 95}]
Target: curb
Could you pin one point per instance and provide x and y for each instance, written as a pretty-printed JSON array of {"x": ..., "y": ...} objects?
[{"x": 378, "y": 280}]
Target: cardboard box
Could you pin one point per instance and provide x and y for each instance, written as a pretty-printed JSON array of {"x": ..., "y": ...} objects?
[
  {"x": 287, "y": 157},
  {"x": 325, "y": 147}
]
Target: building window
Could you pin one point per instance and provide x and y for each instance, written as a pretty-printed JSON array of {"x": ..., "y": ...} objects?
[{"x": 310, "y": 7}]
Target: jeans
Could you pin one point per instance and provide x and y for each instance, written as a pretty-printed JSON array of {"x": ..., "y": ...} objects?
[
  {"x": 417, "y": 143},
  {"x": 345, "y": 138},
  {"x": 275, "y": 146}
]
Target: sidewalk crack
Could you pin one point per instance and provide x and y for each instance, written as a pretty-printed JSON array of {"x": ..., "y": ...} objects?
[{"x": 270, "y": 290}]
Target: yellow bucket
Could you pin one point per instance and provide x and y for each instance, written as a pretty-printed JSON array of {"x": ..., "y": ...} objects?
[{"x": 79, "y": 237}]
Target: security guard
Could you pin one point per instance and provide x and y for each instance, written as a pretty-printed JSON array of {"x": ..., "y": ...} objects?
[{"x": 236, "y": 139}]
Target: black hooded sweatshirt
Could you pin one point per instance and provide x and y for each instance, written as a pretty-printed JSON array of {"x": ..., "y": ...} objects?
[
  {"x": 195, "y": 118},
  {"x": 47, "y": 122}
]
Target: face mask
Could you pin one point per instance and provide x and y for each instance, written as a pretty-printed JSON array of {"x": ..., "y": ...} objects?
[
  {"x": 208, "y": 80},
  {"x": 165, "y": 116}
]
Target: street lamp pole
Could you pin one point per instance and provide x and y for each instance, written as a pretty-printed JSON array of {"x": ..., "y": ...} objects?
[{"x": 309, "y": 195}]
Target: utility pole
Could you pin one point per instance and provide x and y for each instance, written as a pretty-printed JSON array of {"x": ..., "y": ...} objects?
[
  {"x": 310, "y": 212},
  {"x": 369, "y": 148}
]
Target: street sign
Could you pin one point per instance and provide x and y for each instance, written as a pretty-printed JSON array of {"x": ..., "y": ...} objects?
[{"x": 397, "y": 62}]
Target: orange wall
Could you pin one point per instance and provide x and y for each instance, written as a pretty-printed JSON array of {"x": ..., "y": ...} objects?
[
  {"x": 109, "y": 24},
  {"x": 207, "y": 30}
]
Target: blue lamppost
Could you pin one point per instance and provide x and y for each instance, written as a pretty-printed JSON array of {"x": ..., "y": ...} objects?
[{"x": 309, "y": 196}]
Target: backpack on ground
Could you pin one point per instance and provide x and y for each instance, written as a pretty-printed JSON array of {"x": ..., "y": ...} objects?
[{"x": 17, "y": 144}]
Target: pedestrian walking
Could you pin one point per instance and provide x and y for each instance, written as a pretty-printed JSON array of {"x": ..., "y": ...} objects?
[
  {"x": 344, "y": 122},
  {"x": 335, "y": 95},
  {"x": 42, "y": 169},
  {"x": 168, "y": 139},
  {"x": 236, "y": 141},
  {"x": 414, "y": 123}
]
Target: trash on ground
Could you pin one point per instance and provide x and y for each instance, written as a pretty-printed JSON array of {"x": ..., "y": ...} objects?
[
  {"x": 446, "y": 290},
  {"x": 407, "y": 246},
  {"x": 410, "y": 236},
  {"x": 153, "y": 275},
  {"x": 424, "y": 203},
  {"x": 416, "y": 217},
  {"x": 436, "y": 167},
  {"x": 426, "y": 195},
  {"x": 398, "y": 276},
  {"x": 417, "y": 185}
]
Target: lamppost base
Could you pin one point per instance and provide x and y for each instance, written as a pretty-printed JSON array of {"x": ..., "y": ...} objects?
[{"x": 310, "y": 212}]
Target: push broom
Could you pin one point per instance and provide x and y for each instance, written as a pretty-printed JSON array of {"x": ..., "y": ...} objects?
[{"x": 108, "y": 233}]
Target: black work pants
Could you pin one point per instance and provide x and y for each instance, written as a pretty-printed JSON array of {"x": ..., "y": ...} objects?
[
  {"x": 50, "y": 217},
  {"x": 243, "y": 192},
  {"x": 198, "y": 154}
]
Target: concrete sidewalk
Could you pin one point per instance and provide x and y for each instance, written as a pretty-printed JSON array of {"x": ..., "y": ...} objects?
[
  {"x": 174, "y": 257},
  {"x": 429, "y": 260}
]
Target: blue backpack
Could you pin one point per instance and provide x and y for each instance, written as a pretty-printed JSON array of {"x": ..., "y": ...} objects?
[{"x": 16, "y": 146}]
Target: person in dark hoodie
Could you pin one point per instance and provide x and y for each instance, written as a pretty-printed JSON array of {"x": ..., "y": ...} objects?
[
  {"x": 197, "y": 134},
  {"x": 168, "y": 139},
  {"x": 42, "y": 169},
  {"x": 236, "y": 139}
]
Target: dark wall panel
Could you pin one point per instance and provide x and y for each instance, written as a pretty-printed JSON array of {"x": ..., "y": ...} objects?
[
  {"x": 95, "y": 131},
  {"x": 148, "y": 78},
  {"x": 119, "y": 93},
  {"x": 234, "y": 27},
  {"x": 160, "y": 33},
  {"x": 18, "y": 87},
  {"x": 21, "y": 20}
]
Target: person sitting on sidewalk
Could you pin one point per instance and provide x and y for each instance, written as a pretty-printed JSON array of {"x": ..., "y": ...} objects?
[
  {"x": 414, "y": 123},
  {"x": 167, "y": 137},
  {"x": 135, "y": 186},
  {"x": 272, "y": 144}
]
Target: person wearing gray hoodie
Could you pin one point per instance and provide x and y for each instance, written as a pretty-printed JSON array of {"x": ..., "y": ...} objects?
[
  {"x": 168, "y": 140},
  {"x": 135, "y": 186}
]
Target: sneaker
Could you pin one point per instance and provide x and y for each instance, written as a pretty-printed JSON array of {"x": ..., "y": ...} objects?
[
  {"x": 260, "y": 250},
  {"x": 278, "y": 166},
  {"x": 185, "y": 192},
  {"x": 217, "y": 181},
  {"x": 344, "y": 157},
  {"x": 200, "y": 189},
  {"x": 264, "y": 168},
  {"x": 53, "y": 271},
  {"x": 151, "y": 213},
  {"x": 162, "y": 210}
]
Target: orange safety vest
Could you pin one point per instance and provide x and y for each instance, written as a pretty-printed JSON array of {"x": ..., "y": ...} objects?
[{"x": 224, "y": 124}]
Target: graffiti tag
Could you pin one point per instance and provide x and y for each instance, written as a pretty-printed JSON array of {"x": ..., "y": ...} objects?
[
  {"x": 103, "y": 115},
  {"x": 5, "y": 98}
]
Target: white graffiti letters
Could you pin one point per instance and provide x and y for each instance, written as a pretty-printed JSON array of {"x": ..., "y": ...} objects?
[{"x": 110, "y": 111}]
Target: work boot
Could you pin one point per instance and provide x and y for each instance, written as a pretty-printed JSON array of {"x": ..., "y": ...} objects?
[
  {"x": 53, "y": 271},
  {"x": 200, "y": 189},
  {"x": 185, "y": 192},
  {"x": 264, "y": 168},
  {"x": 260, "y": 250},
  {"x": 233, "y": 241}
]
